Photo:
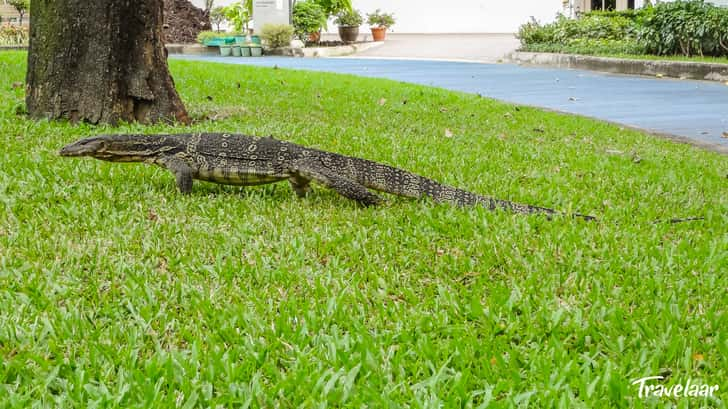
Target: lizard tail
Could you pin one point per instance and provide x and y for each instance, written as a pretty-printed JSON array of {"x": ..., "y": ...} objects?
[{"x": 392, "y": 180}]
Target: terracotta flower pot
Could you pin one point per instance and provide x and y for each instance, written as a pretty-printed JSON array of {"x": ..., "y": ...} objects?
[
  {"x": 348, "y": 34},
  {"x": 378, "y": 33},
  {"x": 314, "y": 37}
]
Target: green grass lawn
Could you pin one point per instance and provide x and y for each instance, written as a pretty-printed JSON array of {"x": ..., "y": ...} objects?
[{"x": 117, "y": 291}]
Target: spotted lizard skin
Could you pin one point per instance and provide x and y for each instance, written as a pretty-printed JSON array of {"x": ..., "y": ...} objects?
[{"x": 234, "y": 159}]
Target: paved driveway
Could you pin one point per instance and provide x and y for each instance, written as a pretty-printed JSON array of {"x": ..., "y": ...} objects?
[
  {"x": 472, "y": 47},
  {"x": 695, "y": 110}
]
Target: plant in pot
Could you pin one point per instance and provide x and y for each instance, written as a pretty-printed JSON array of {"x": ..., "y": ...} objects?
[
  {"x": 349, "y": 22},
  {"x": 379, "y": 23},
  {"x": 308, "y": 20}
]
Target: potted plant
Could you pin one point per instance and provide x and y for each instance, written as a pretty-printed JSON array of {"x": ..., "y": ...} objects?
[
  {"x": 379, "y": 23},
  {"x": 308, "y": 20},
  {"x": 256, "y": 50},
  {"x": 349, "y": 22},
  {"x": 226, "y": 50}
]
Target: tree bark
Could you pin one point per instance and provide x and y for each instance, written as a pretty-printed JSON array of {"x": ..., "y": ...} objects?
[{"x": 100, "y": 61}]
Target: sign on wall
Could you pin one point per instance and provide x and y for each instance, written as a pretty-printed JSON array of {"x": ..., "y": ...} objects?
[{"x": 271, "y": 12}]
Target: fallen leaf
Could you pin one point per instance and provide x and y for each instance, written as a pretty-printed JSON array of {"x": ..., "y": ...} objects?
[
  {"x": 382, "y": 101},
  {"x": 162, "y": 265},
  {"x": 448, "y": 133},
  {"x": 443, "y": 109},
  {"x": 698, "y": 357},
  {"x": 493, "y": 361},
  {"x": 508, "y": 115},
  {"x": 17, "y": 85},
  {"x": 152, "y": 215},
  {"x": 539, "y": 129}
]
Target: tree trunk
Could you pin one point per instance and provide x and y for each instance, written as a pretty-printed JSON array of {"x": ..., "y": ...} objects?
[{"x": 100, "y": 61}]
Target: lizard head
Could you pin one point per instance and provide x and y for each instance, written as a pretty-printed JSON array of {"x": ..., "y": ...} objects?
[{"x": 116, "y": 148}]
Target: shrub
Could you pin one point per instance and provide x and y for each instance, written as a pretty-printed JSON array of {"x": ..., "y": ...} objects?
[
  {"x": 239, "y": 14},
  {"x": 277, "y": 35},
  {"x": 332, "y": 7},
  {"x": 563, "y": 30},
  {"x": 535, "y": 33},
  {"x": 349, "y": 18},
  {"x": 203, "y": 36},
  {"x": 308, "y": 17},
  {"x": 690, "y": 27},
  {"x": 12, "y": 35}
]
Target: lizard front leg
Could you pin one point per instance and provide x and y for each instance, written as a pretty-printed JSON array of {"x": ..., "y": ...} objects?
[
  {"x": 182, "y": 173},
  {"x": 300, "y": 185},
  {"x": 345, "y": 187}
]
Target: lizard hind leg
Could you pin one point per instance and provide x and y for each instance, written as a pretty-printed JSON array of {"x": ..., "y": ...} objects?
[{"x": 339, "y": 184}]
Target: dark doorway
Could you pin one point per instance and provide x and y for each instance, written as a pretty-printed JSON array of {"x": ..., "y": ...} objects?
[
  {"x": 605, "y": 4},
  {"x": 630, "y": 4}
]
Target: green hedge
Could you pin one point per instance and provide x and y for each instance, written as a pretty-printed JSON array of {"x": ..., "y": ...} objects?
[
  {"x": 590, "y": 47},
  {"x": 681, "y": 27}
]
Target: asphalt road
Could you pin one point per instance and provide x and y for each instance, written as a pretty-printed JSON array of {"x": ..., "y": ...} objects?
[{"x": 693, "y": 110}]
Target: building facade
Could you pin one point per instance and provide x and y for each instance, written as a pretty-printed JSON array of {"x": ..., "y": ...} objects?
[{"x": 575, "y": 7}]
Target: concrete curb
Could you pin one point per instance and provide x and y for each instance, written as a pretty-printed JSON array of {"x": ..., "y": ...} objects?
[
  {"x": 313, "y": 52},
  {"x": 191, "y": 49},
  {"x": 14, "y": 48},
  {"x": 654, "y": 68}
]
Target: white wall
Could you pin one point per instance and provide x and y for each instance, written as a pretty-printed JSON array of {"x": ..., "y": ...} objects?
[{"x": 455, "y": 16}]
